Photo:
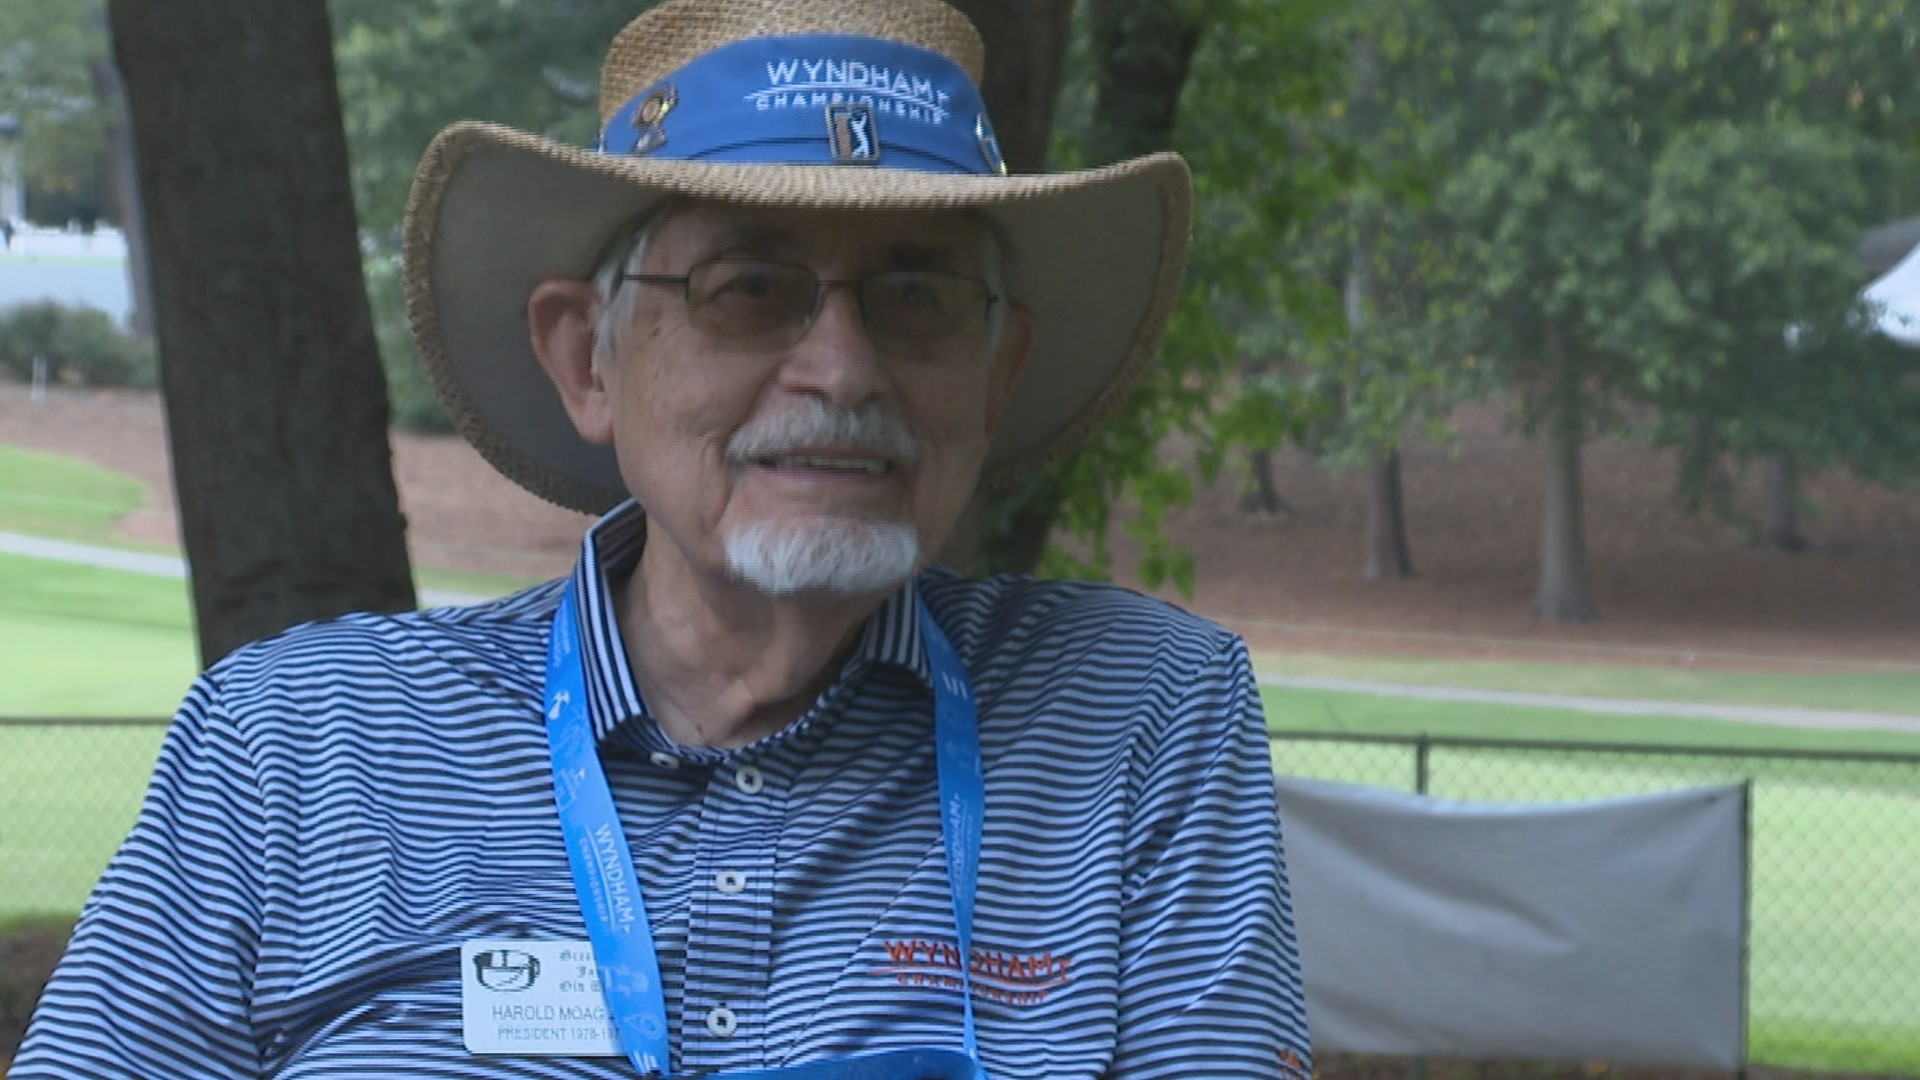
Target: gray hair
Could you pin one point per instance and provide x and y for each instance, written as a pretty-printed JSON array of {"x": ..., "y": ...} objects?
[{"x": 623, "y": 257}]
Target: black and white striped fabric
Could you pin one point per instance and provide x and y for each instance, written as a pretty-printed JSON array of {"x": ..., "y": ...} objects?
[{"x": 337, "y": 809}]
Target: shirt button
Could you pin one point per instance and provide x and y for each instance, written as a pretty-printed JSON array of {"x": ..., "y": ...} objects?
[
  {"x": 728, "y": 881},
  {"x": 748, "y": 780},
  {"x": 664, "y": 760},
  {"x": 721, "y": 1021}
]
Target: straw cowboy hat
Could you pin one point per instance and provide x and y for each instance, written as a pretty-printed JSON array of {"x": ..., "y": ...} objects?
[{"x": 823, "y": 104}]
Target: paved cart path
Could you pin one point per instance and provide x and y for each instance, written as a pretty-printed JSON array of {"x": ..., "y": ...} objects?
[{"x": 171, "y": 566}]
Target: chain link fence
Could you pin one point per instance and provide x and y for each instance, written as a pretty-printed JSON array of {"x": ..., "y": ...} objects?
[
  {"x": 1834, "y": 934},
  {"x": 69, "y": 790},
  {"x": 1834, "y": 876}
]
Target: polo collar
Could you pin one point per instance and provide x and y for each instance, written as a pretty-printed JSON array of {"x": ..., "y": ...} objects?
[{"x": 608, "y": 555}]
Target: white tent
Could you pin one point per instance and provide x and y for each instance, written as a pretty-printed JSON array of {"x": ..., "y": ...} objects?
[{"x": 1895, "y": 297}]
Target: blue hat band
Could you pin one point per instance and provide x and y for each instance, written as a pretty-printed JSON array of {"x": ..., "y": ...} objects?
[{"x": 813, "y": 100}]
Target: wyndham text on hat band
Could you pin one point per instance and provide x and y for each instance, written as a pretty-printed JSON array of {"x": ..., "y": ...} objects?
[{"x": 786, "y": 101}]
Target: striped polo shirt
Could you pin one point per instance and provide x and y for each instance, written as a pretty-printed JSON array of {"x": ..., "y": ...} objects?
[{"x": 337, "y": 809}]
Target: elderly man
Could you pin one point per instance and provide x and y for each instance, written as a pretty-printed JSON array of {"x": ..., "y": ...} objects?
[{"x": 756, "y": 790}]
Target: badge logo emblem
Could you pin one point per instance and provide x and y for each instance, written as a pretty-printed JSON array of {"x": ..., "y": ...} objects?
[
  {"x": 507, "y": 970},
  {"x": 989, "y": 145},
  {"x": 851, "y": 135},
  {"x": 649, "y": 118}
]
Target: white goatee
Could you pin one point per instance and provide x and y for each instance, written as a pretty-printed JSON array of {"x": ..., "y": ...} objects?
[
  {"x": 831, "y": 555},
  {"x": 834, "y": 555}
]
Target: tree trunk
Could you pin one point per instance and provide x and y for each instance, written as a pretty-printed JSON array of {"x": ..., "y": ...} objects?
[
  {"x": 276, "y": 406},
  {"x": 1388, "y": 556},
  {"x": 1265, "y": 496},
  {"x": 1026, "y": 44},
  {"x": 1562, "y": 594},
  {"x": 1143, "y": 50},
  {"x": 1703, "y": 478},
  {"x": 1026, "y": 48},
  {"x": 1780, "y": 527},
  {"x": 123, "y": 181}
]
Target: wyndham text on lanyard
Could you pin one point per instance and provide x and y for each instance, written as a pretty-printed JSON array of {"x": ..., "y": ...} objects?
[{"x": 609, "y": 889}]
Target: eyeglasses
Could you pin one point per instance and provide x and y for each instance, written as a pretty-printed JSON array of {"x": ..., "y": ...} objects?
[{"x": 767, "y": 304}]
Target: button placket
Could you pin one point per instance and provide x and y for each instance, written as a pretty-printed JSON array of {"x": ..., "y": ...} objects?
[{"x": 729, "y": 930}]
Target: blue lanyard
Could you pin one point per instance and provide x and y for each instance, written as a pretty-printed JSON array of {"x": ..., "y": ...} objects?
[{"x": 616, "y": 914}]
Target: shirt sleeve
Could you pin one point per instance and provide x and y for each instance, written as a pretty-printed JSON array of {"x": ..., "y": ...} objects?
[
  {"x": 1209, "y": 967},
  {"x": 156, "y": 980}
]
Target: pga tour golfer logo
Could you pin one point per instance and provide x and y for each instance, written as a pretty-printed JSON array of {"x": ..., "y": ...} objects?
[
  {"x": 506, "y": 970},
  {"x": 850, "y": 132}
]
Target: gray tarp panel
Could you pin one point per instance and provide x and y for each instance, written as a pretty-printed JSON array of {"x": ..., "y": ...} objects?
[{"x": 1598, "y": 931}]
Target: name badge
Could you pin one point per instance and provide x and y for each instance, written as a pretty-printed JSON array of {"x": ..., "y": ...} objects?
[{"x": 534, "y": 998}]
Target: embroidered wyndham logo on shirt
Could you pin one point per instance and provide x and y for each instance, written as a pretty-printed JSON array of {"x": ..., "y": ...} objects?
[
  {"x": 851, "y": 135},
  {"x": 1010, "y": 978}
]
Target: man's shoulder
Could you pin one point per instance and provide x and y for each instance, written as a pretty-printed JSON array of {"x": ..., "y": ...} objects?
[
  {"x": 1060, "y": 666},
  {"x": 1003, "y": 611}
]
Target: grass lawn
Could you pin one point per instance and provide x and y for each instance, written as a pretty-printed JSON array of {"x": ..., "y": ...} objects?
[
  {"x": 1835, "y": 935},
  {"x": 1370, "y": 714},
  {"x": 460, "y": 581},
  {"x": 63, "y": 498},
  {"x": 81, "y": 641},
  {"x": 1879, "y": 690}
]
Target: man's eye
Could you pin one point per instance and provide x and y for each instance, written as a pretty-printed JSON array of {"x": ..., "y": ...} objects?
[
  {"x": 914, "y": 291},
  {"x": 753, "y": 282}
]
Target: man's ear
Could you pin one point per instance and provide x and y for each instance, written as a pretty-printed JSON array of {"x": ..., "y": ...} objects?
[
  {"x": 1016, "y": 342},
  {"x": 560, "y": 318}
]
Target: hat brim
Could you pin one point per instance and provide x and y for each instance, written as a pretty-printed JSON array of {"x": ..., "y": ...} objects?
[{"x": 1097, "y": 258}]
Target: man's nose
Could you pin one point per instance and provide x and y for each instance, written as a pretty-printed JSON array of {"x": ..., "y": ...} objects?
[{"x": 836, "y": 357}]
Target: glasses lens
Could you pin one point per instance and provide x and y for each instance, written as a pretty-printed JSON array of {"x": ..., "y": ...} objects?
[
  {"x": 739, "y": 300},
  {"x": 922, "y": 306}
]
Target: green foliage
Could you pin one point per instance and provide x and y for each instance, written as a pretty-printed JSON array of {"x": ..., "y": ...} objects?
[
  {"x": 1668, "y": 186},
  {"x": 408, "y": 70},
  {"x": 1335, "y": 264},
  {"x": 1256, "y": 65},
  {"x": 1754, "y": 281},
  {"x": 46, "y": 49},
  {"x": 411, "y": 401},
  {"x": 81, "y": 345}
]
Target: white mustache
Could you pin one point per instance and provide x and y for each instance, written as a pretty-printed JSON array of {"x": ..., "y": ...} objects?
[{"x": 811, "y": 424}]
